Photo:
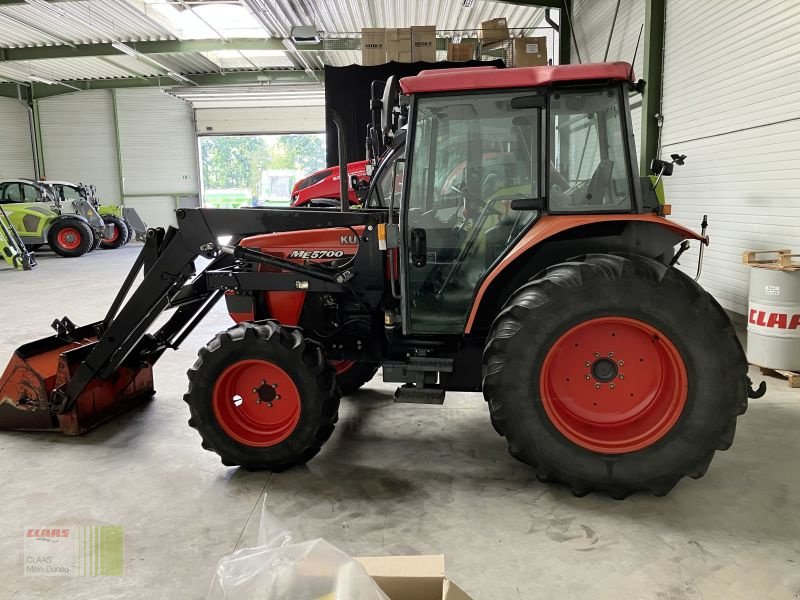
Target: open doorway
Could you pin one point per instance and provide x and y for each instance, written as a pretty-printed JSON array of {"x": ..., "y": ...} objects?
[{"x": 256, "y": 170}]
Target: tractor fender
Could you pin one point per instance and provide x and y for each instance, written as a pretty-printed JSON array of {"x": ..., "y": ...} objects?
[
  {"x": 555, "y": 238},
  {"x": 62, "y": 217}
]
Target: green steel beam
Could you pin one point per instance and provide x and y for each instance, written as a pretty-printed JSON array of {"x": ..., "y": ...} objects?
[
  {"x": 41, "y": 90},
  {"x": 185, "y": 46},
  {"x": 564, "y": 33},
  {"x": 37, "y": 125},
  {"x": 655, "y": 17},
  {"x": 154, "y": 47},
  {"x": 119, "y": 148}
]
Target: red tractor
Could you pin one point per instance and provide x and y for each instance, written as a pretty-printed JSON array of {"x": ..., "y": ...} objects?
[
  {"x": 545, "y": 280},
  {"x": 321, "y": 188}
]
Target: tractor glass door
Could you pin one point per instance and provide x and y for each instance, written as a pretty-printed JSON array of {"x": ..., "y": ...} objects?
[{"x": 472, "y": 156}]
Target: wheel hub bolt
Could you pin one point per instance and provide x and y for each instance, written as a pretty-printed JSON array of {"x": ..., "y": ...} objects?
[
  {"x": 597, "y": 386},
  {"x": 611, "y": 386},
  {"x": 621, "y": 363}
]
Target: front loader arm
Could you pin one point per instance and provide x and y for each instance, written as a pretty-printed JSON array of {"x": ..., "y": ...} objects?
[{"x": 167, "y": 260}]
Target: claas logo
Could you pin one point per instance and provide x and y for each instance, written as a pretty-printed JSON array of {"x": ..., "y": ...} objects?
[{"x": 40, "y": 533}]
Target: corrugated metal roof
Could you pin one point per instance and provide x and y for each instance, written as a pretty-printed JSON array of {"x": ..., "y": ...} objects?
[
  {"x": 96, "y": 21},
  {"x": 337, "y": 16},
  {"x": 84, "y": 22}
]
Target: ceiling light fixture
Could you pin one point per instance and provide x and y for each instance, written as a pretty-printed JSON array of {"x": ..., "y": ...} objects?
[
  {"x": 47, "y": 5},
  {"x": 51, "y": 82},
  {"x": 180, "y": 78},
  {"x": 468, "y": 3},
  {"x": 125, "y": 49}
]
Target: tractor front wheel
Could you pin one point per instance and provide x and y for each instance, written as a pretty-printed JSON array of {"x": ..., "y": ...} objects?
[
  {"x": 262, "y": 396},
  {"x": 70, "y": 237},
  {"x": 616, "y": 374},
  {"x": 119, "y": 233}
]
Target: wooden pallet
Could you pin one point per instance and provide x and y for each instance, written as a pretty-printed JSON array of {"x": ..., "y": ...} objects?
[
  {"x": 792, "y": 378},
  {"x": 780, "y": 260}
]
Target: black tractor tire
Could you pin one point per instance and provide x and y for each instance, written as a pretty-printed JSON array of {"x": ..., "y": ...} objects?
[
  {"x": 605, "y": 288},
  {"x": 33, "y": 247},
  {"x": 95, "y": 241},
  {"x": 121, "y": 231},
  {"x": 131, "y": 232},
  {"x": 298, "y": 362},
  {"x": 70, "y": 237},
  {"x": 351, "y": 380}
]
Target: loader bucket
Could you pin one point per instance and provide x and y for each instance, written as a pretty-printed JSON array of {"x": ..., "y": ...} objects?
[{"x": 39, "y": 367}]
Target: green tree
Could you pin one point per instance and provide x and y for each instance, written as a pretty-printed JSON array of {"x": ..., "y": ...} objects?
[
  {"x": 231, "y": 161},
  {"x": 303, "y": 152}
]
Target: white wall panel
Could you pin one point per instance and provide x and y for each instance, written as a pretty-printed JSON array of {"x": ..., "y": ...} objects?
[
  {"x": 78, "y": 141},
  {"x": 16, "y": 156},
  {"x": 231, "y": 121},
  {"x": 591, "y": 20},
  {"x": 732, "y": 105},
  {"x": 157, "y": 143}
]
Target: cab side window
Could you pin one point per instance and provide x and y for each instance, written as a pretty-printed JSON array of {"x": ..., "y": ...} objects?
[
  {"x": 29, "y": 193},
  {"x": 9, "y": 193},
  {"x": 69, "y": 193}
]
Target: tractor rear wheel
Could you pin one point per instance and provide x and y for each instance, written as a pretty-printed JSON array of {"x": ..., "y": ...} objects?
[
  {"x": 262, "y": 396},
  {"x": 70, "y": 237},
  {"x": 351, "y": 375},
  {"x": 614, "y": 373},
  {"x": 119, "y": 234}
]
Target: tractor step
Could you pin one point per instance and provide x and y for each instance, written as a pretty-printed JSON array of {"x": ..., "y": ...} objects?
[{"x": 410, "y": 394}]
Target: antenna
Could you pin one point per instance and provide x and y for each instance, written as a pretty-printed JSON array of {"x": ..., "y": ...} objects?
[{"x": 636, "y": 51}]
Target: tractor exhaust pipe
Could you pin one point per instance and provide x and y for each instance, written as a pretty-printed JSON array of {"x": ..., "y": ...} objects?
[{"x": 341, "y": 138}]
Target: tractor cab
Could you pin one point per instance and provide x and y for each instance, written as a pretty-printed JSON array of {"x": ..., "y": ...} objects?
[{"x": 489, "y": 154}]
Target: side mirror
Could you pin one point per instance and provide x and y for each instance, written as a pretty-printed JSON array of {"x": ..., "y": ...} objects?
[
  {"x": 354, "y": 181},
  {"x": 661, "y": 168},
  {"x": 419, "y": 247}
]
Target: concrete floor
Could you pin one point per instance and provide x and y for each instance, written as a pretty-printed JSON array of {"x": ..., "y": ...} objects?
[{"x": 394, "y": 479}]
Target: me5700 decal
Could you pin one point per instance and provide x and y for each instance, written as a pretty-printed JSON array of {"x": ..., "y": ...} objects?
[{"x": 316, "y": 254}]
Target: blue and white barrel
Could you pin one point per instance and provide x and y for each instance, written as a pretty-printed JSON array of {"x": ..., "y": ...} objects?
[{"x": 773, "y": 319}]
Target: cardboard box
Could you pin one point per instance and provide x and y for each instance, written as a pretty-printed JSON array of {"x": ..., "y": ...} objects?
[
  {"x": 398, "y": 44},
  {"x": 423, "y": 43},
  {"x": 494, "y": 30},
  {"x": 460, "y": 52},
  {"x": 530, "y": 52},
  {"x": 373, "y": 46},
  {"x": 412, "y": 577}
]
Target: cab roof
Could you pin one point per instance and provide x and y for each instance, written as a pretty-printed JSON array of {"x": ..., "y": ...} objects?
[{"x": 481, "y": 78}]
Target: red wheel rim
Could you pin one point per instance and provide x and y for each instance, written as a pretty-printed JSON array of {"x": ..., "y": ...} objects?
[
  {"x": 613, "y": 385},
  {"x": 69, "y": 238},
  {"x": 342, "y": 365},
  {"x": 256, "y": 403},
  {"x": 114, "y": 234}
]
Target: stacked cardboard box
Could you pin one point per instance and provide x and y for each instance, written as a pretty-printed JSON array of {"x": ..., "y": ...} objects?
[
  {"x": 398, "y": 45},
  {"x": 530, "y": 52},
  {"x": 460, "y": 51},
  {"x": 423, "y": 43},
  {"x": 494, "y": 30},
  {"x": 373, "y": 46}
]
